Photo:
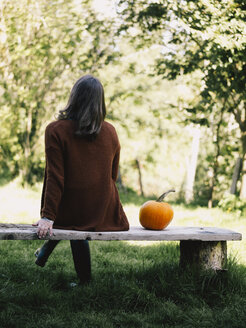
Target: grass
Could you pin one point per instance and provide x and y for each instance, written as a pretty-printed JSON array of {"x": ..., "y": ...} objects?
[{"x": 134, "y": 284}]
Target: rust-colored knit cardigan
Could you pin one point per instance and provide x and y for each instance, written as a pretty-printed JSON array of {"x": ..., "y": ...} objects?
[{"x": 79, "y": 190}]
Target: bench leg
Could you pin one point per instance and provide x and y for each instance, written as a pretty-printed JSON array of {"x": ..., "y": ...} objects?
[{"x": 203, "y": 255}]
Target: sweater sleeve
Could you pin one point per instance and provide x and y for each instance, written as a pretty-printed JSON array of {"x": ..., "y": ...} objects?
[{"x": 54, "y": 175}]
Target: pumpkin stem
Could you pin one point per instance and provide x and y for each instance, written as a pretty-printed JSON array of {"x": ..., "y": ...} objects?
[{"x": 160, "y": 199}]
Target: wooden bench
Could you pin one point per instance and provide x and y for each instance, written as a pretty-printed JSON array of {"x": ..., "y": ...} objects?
[{"x": 200, "y": 247}]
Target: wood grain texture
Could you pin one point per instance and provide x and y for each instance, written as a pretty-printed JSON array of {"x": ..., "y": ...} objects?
[
  {"x": 203, "y": 255},
  {"x": 28, "y": 232}
]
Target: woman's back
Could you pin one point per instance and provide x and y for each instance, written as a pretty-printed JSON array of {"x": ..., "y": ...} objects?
[{"x": 79, "y": 188}]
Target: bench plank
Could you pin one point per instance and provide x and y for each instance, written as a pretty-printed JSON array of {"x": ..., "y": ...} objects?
[{"x": 28, "y": 232}]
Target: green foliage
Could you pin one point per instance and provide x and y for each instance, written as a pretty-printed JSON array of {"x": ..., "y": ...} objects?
[
  {"x": 44, "y": 48},
  {"x": 232, "y": 203},
  {"x": 198, "y": 46},
  {"x": 205, "y": 39},
  {"x": 225, "y": 146},
  {"x": 63, "y": 43}
]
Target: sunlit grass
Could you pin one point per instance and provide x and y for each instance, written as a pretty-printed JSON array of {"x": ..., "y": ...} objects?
[
  {"x": 22, "y": 205},
  {"x": 19, "y": 205}
]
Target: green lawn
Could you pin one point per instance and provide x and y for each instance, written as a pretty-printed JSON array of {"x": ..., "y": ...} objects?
[{"x": 135, "y": 284}]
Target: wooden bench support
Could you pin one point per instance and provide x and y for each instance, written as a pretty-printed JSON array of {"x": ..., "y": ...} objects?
[{"x": 203, "y": 255}]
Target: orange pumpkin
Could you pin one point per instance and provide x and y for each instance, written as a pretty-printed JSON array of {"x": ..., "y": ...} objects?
[{"x": 156, "y": 215}]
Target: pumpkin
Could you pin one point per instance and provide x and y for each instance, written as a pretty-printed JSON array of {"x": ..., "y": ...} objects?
[{"x": 156, "y": 215}]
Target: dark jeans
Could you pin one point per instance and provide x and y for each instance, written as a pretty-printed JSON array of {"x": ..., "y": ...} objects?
[{"x": 81, "y": 257}]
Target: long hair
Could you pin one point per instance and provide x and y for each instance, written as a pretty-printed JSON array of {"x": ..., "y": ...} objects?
[{"x": 86, "y": 106}]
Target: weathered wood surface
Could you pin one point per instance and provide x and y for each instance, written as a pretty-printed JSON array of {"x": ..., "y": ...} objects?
[{"x": 24, "y": 231}]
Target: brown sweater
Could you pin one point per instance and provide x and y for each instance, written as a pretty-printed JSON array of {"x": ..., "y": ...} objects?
[{"x": 79, "y": 190}]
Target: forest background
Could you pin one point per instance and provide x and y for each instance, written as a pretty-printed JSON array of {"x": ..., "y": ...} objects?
[{"x": 174, "y": 77}]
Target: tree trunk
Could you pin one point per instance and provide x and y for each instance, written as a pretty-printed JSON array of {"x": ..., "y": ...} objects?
[
  {"x": 236, "y": 175},
  {"x": 215, "y": 167},
  {"x": 119, "y": 181},
  {"x": 25, "y": 169},
  {"x": 191, "y": 169},
  {"x": 140, "y": 177},
  {"x": 243, "y": 179}
]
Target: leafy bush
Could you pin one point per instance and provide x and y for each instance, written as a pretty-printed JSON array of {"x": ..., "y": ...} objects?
[{"x": 232, "y": 203}]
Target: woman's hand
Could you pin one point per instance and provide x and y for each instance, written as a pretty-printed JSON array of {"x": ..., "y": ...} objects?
[{"x": 44, "y": 226}]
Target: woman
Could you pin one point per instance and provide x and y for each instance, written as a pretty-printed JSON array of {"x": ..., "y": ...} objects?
[{"x": 82, "y": 159}]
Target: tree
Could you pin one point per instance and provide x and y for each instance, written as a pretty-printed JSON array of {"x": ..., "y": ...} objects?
[
  {"x": 198, "y": 36},
  {"x": 191, "y": 166},
  {"x": 44, "y": 48}
]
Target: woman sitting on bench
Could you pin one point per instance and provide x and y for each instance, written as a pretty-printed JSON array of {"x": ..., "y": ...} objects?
[{"x": 82, "y": 159}]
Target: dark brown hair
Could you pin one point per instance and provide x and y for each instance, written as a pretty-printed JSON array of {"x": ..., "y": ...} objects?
[{"x": 86, "y": 105}]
